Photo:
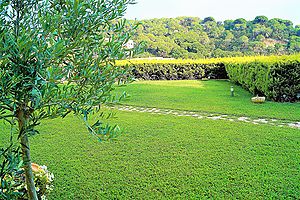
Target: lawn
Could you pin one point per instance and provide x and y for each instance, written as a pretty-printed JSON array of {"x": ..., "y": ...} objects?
[
  {"x": 210, "y": 96},
  {"x": 171, "y": 157}
]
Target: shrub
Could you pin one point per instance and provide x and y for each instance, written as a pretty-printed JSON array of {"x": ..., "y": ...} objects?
[
  {"x": 176, "y": 69},
  {"x": 278, "y": 78},
  {"x": 13, "y": 182}
]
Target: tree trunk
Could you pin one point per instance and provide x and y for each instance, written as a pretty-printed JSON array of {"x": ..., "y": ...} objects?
[{"x": 32, "y": 195}]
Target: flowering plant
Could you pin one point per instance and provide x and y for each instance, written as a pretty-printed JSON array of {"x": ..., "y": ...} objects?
[{"x": 43, "y": 180}]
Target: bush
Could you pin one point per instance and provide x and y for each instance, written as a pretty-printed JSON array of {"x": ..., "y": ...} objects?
[
  {"x": 176, "y": 69},
  {"x": 277, "y": 78},
  {"x": 12, "y": 178},
  {"x": 11, "y": 163}
]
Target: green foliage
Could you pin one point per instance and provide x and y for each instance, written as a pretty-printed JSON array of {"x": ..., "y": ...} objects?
[
  {"x": 59, "y": 48},
  {"x": 294, "y": 43},
  {"x": 10, "y": 169},
  {"x": 175, "y": 69},
  {"x": 56, "y": 58},
  {"x": 275, "y": 77},
  {"x": 13, "y": 185},
  {"x": 260, "y": 20},
  {"x": 191, "y": 37}
]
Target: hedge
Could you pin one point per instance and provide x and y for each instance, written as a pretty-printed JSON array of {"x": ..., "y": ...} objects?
[
  {"x": 176, "y": 69},
  {"x": 276, "y": 77}
]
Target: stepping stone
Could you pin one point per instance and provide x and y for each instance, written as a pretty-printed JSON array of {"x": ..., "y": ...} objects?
[
  {"x": 243, "y": 118},
  {"x": 214, "y": 118},
  {"x": 261, "y": 121},
  {"x": 294, "y": 125}
]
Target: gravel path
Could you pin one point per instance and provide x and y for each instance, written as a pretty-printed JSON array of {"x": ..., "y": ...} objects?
[{"x": 212, "y": 116}]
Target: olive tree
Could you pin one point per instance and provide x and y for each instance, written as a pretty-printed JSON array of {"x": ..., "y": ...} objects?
[{"x": 57, "y": 57}]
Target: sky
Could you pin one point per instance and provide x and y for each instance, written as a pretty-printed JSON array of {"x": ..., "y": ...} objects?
[{"x": 220, "y": 10}]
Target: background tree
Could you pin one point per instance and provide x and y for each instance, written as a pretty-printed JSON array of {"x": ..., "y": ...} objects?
[
  {"x": 260, "y": 20},
  {"x": 191, "y": 37},
  {"x": 57, "y": 57},
  {"x": 243, "y": 41},
  {"x": 294, "y": 43}
]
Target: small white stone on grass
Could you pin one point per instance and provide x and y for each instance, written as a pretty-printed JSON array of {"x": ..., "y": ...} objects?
[
  {"x": 243, "y": 118},
  {"x": 214, "y": 118},
  {"x": 294, "y": 125},
  {"x": 261, "y": 121}
]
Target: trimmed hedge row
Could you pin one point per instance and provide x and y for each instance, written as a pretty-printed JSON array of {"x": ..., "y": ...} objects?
[
  {"x": 278, "y": 80},
  {"x": 176, "y": 69},
  {"x": 171, "y": 71},
  {"x": 276, "y": 77}
]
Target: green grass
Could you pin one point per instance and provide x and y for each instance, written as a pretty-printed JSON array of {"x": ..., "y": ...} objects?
[
  {"x": 169, "y": 157},
  {"x": 211, "y": 96}
]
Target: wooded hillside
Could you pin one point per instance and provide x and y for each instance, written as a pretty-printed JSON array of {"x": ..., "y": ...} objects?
[{"x": 192, "y": 37}]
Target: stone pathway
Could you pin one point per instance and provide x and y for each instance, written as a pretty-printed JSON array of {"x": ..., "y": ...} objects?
[{"x": 207, "y": 115}]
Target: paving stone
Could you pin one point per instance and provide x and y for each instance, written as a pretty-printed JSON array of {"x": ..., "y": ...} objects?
[
  {"x": 261, "y": 121},
  {"x": 212, "y": 116},
  {"x": 294, "y": 125},
  {"x": 243, "y": 118}
]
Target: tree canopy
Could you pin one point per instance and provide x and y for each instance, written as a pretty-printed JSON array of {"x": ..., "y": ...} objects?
[
  {"x": 191, "y": 37},
  {"x": 57, "y": 57}
]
